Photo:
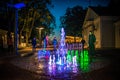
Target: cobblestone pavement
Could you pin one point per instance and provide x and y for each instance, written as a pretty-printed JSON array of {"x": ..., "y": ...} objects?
[
  {"x": 41, "y": 67},
  {"x": 11, "y": 72},
  {"x": 14, "y": 68}
]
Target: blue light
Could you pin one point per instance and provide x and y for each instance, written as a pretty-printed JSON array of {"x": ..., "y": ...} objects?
[{"x": 19, "y": 5}]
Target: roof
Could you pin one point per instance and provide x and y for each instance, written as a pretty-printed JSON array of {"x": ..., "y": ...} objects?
[{"x": 105, "y": 11}]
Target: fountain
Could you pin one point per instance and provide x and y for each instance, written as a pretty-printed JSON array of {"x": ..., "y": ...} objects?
[
  {"x": 62, "y": 50},
  {"x": 63, "y": 56},
  {"x": 66, "y": 62}
]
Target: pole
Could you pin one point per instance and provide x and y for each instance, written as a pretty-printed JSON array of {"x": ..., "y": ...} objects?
[
  {"x": 40, "y": 37},
  {"x": 16, "y": 7},
  {"x": 16, "y": 32},
  {"x": 40, "y": 34}
]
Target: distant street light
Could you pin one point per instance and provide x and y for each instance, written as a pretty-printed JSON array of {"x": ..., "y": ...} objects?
[
  {"x": 17, "y": 7},
  {"x": 40, "y": 29}
]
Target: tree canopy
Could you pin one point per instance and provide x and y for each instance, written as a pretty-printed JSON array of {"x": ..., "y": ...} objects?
[
  {"x": 72, "y": 21},
  {"x": 34, "y": 14}
]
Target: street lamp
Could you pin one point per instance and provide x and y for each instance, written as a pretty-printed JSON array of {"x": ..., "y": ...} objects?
[
  {"x": 40, "y": 29},
  {"x": 17, "y": 7}
]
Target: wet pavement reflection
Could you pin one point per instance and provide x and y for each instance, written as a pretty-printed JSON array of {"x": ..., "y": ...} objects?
[{"x": 46, "y": 63}]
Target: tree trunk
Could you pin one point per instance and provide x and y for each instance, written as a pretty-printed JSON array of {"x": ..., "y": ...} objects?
[
  {"x": 20, "y": 39},
  {"x": 32, "y": 23},
  {"x": 27, "y": 33}
]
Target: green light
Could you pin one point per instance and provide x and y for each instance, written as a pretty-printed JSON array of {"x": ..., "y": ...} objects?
[
  {"x": 68, "y": 53},
  {"x": 69, "y": 56},
  {"x": 72, "y": 53},
  {"x": 77, "y": 55},
  {"x": 84, "y": 61}
]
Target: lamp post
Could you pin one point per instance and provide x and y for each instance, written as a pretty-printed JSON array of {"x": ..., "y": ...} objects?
[
  {"x": 40, "y": 29},
  {"x": 17, "y": 7}
]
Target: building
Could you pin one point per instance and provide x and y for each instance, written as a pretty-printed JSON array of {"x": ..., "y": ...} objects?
[
  {"x": 117, "y": 33},
  {"x": 106, "y": 26},
  {"x": 3, "y": 38}
]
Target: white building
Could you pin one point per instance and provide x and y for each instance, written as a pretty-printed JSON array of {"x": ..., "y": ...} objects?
[{"x": 106, "y": 27}]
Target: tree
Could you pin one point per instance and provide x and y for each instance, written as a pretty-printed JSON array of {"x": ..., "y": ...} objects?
[
  {"x": 72, "y": 21},
  {"x": 34, "y": 15}
]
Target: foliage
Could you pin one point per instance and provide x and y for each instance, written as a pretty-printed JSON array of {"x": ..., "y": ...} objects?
[
  {"x": 72, "y": 21},
  {"x": 36, "y": 14}
]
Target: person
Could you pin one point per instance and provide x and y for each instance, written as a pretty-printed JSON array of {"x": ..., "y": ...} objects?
[
  {"x": 44, "y": 42},
  {"x": 54, "y": 42},
  {"x": 34, "y": 44},
  {"x": 47, "y": 38},
  {"x": 10, "y": 45},
  {"x": 83, "y": 42},
  {"x": 91, "y": 41}
]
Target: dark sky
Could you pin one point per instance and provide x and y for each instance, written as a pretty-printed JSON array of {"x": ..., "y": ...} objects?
[{"x": 60, "y": 7}]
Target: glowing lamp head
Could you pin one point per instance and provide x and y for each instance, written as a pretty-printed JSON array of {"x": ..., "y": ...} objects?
[{"x": 19, "y": 5}]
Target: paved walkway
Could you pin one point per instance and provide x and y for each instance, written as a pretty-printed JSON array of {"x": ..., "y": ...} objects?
[
  {"x": 110, "y": 72},
  {"x": 55, "y": 72}
]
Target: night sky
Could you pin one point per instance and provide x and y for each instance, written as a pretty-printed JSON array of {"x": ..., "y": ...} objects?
[{"x": 60, "y": 7}]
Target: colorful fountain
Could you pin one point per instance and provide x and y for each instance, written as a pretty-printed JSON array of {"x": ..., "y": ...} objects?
[
  {"x": 65, "y": 57},
  {"x": 66, "y": 62},
  {"x": 62, "y": 50}
]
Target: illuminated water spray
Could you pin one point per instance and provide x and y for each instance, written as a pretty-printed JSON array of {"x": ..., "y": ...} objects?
[
  {"x": 62, "y": 50},
  {"x": 84, "y": 61}
]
